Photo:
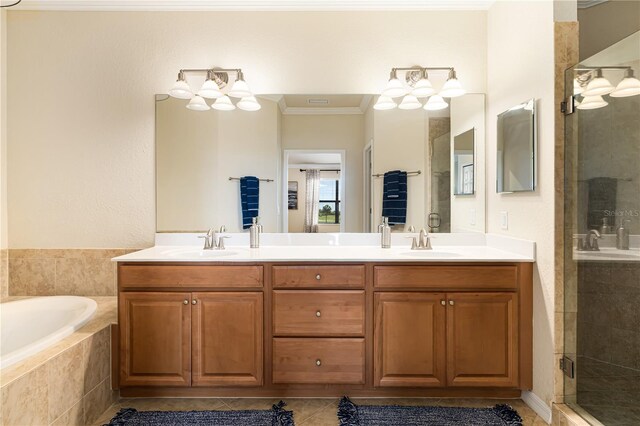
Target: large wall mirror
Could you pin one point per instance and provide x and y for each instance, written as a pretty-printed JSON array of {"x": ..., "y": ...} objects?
[
  {"x": 320, "y": 161},
  {"x": 516, "y": 162}
]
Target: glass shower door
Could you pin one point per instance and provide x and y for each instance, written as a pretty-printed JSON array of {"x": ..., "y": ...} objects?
[{"x": 602, "y": 235}]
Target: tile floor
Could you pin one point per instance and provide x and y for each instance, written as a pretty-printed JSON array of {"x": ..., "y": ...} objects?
[{"x": 307, "y": 412}]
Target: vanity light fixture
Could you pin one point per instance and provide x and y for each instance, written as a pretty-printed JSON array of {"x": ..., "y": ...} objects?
[
  {"x": 384, "y": 103},
  {"x": 435, "y": 103},
  {"x": 629, "y": 86},
  {"x": 417, "y": 85},
  {"x": 213, "y": 88},
  {"x": 598, "y": 86},
  {"x": 592, "y": 102},
  {"x": 410, "y": 102}
]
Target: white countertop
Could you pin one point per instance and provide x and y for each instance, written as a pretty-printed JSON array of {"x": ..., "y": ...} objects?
[
  {"x": 608, "y": 251},
  {"x": 343, "y": 248}
]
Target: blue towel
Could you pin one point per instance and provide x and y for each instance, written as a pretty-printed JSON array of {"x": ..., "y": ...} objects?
[
  {"x": 394, "y": 197},
  {"x": 250, "y": 199}
]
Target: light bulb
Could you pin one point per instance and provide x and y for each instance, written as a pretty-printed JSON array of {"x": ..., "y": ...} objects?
[
  {"x": 592, "y": 102},
  {"x": 240, "y": 88},
  {"x": 197, "y": 103},
  {"x": 435, "y": 103},
  {"x": 395, "y": 88},
  {"x": 629, "y": 86},
  {"x": 410, "y": 102},
  {"x": 422, "y": 89},
  {"x": 210, "y": 89},
  {"x": 223, "y": 104},
  {"x": 598, "y": 86},
  {"x": 181, "y": 89},
  {"x": 384, "y": 103},
  {"x": 250, "y": 103},
  {"x": 452, "y": 87}
]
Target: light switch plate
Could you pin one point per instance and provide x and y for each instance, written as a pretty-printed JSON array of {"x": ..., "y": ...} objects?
[
  {"x": 472, "y": 217},
  {"x": 504, "y": 220}
]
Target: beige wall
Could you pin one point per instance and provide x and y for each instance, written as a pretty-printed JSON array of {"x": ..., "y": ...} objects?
[
  {"x": 468, "y": 112},
  {"x": 607, "y": 23},
  {"x": 339, "y": 132},
  {"x": 197, "y": 152},
  {"x": 400, "y": 141},
  {"x": 4, "y": 266},
  {"x": 81, "y": 106},
  {"x": 520, "y": 66}
]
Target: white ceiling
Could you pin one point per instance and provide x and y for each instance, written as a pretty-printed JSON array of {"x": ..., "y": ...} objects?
[{"x": 258, "y": 5}]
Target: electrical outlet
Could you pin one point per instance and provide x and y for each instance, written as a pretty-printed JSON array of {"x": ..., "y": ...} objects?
[
  {"x": 504, "y": 220},
  {"x": 472, "y": 217}
]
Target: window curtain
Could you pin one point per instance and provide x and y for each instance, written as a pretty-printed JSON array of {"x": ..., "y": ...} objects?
[{"x": 311, "y": 201}]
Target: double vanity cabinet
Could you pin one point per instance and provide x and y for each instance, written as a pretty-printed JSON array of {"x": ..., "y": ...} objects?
[{"x": 324, "y": 329}]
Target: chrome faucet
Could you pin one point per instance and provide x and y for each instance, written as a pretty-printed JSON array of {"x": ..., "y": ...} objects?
[
  {"x": 589, "y": 242},
  {"x": 423, "y": 242},
  {"x": 212, "y": 241}
]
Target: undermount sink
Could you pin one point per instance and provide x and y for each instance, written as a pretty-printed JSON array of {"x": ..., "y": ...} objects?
[
  {"x": 429, "y": 253},
  {"x": 198, "y": 253}
]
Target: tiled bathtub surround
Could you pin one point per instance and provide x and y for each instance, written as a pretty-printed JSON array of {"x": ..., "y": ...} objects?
[
  {"x": 47, "y": 272},
  {"x": 4, "y": 274},
  {"x": 66, "y": 384}
]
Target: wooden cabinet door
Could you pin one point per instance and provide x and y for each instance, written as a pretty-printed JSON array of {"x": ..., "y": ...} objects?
[
  {"x": 155, "y": 339},
  {"x": 409, "y": 339},
  {"x": 482, "y": 339},
  {"x": 227, "y": 339}
]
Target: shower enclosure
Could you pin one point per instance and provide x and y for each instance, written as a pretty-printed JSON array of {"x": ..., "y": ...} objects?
[{"x": 602, "y": 208}]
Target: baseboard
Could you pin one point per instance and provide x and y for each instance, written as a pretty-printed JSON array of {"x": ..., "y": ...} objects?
[{"x": 537, "y": 405}]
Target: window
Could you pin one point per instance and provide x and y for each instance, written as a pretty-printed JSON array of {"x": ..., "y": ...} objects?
[{"x": 329, "y": 206}]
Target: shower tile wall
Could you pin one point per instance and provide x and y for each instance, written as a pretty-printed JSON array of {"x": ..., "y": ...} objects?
[
  {"x": 4, "y": 274},
  {"x": 46, "y": 272},
  {"x": 440, "y": 143}
]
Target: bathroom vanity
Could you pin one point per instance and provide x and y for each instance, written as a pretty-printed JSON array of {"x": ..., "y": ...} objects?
[{"x": 324, "y": 321}]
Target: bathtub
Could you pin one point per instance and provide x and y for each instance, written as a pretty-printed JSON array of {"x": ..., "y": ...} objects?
[{"x": 31, "y": 325}]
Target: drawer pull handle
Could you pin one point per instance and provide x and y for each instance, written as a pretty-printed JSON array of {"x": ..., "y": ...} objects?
[
  {"x": 451, "y": 302},
  {"x": 318, "y": 313},
  {"x": 194, "y": 301},
  {"x": 318, "y": 362},
  {"x": 318, "y": 277},
  {"x": 186, "y": 302},
  {"x": 443, "y": 303}
]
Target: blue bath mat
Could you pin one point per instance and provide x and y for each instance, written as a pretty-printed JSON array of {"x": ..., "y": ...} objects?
[
  {"x": 277, "y": 416},
  {"x": 351, "y": 414}
]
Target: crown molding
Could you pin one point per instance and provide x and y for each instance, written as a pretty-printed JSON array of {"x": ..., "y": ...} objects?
[
  {"x": 254, "y": 5},
  {"x": 322, "y": 111}
]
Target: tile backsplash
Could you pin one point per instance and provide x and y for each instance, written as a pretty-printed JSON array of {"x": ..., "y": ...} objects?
[{"x": 48, "y": 272}]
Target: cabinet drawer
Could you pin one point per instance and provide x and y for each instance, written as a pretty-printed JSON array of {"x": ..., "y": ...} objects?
[
  {"x": 318, "y": 313},
  {"x": 447, "y": 277},
  {"x": 331, "y": 361},
  {"x": 189, "y": 276},
  {"x": 344, "y": 276}
]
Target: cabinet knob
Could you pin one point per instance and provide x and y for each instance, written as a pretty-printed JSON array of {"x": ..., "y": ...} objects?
[
  {"x": 318, "y": 277},
  {"x": 318, "y": 313},
  {"x": 451, "y": 302},
  {"x": 443, "y": 303},
  {"x": 194, "y": 301},
  {"x": 318, "y": 362},
  {"x": 186, "y": 302}
]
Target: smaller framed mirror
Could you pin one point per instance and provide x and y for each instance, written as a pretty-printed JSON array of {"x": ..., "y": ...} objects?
[
  {"x": 463, "y": 155},
  {"x": 516, "y": 162}
]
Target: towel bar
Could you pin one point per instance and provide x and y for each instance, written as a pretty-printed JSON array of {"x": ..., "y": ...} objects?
[
  {"x": 416, "y": 173},
  {"x": 261, "y": 180}
]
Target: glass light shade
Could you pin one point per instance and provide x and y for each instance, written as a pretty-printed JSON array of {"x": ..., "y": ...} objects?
[
  {"x": 435, "y": 103},
  {"x": 577, "y": 89},
  {"x": 181, "y": 90},
  {"x": 422, "y": 89},
  {"x": 223, "y": 104},
  {"x": 394, "y": 89},
  {"x": 250, "y": 103},
  {"x": 240, "y": 89},
  {"x": 410, "y": 102},
  {"x": 384, "y": 103},
  {"x": 598, "y": 86},
  {"x": 592, "y": 102},
  {"x": 210, "y": 90},
  {"x": 629, "y": 86},
  {"x": 452, "y": 88},
  {"x": 197, "y": 103}
]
